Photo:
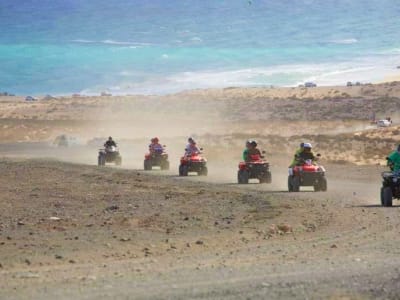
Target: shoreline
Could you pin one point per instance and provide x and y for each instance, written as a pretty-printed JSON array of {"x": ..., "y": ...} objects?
[{"x": 271, "y": 91}]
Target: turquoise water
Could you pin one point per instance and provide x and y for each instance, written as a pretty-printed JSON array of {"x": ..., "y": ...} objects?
[{"x": 153, "y": 47}]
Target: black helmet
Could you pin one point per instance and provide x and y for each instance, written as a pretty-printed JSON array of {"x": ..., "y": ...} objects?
[
  {"x": 254, "y": 143},
  {"x": 301, "y": 144},
  {"x": 109, "y": 138}
]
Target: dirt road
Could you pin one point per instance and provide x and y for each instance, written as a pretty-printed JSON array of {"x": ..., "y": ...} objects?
[
  {"x": 69, "y": 229},
  {"x": 77, "y": 231}
]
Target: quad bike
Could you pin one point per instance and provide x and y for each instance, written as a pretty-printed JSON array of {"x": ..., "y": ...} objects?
[
  {"x": 157, "y": 159},
  {"x": 390, "y": 188},
  {"x": 308, "y": 174},
  {"x": 194, "y": 163},
  {"x": 257, "y": 168},
  {"x": 61, "y": 141},
  {"x": 109, "y": 155}
]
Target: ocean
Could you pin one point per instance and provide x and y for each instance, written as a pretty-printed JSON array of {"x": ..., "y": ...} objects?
[{"x": 156, "y": 47}]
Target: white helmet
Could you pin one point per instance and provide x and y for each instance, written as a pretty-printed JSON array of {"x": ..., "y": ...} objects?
[{"x": 307, "y": 145}]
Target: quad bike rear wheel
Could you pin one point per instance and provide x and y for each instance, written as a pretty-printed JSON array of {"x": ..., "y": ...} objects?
[
  {"x": 118, "y": 160},
  {"x": 243, "y": 177},
  {"x": 386, "y": 196}
]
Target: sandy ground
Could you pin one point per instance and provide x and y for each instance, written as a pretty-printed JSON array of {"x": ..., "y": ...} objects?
[{"x": 69, "y": 229}]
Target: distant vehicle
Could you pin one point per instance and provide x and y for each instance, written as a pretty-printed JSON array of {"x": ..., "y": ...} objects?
[
  {"x": 61, "y": 141},
  {"x": 94, "y": 142},
  {"x": 64, "y": 140},
  {"x": 257, "y": 168},
  {"x": 310, "y": 84},
  {"x": 30, "y": 98},
  {"x": 109, "y": 155},
  {"x": 308, "y": 174},
  {"x": 195, "y": 163},
  {"x": 49, "y": 97},
  {"x": 157, "y": 159},
  {"x": 384, "y": 123},
  {"x": 349, "y": 83}
]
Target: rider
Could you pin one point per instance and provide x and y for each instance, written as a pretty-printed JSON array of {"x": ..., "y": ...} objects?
[
  {"x": 393, "y": 160},
  {"x": 246, "y": 150},
  {"x": 298, "y": 152},
  {"x": 191, "y": 147},
  {"x": 251, "y": 150},
  {"x": 155, "y": 147},
  {"x": 306, "y": 154},
  {"x": 302, "y": 154},
  {"x": 110, "y": 142}
]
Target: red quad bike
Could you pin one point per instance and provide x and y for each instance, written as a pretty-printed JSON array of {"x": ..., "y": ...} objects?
[
  {"x": 194, "y": 163},
  {"x": 257, "y": 168},
  {"x": 157, "y": 159},
  {"x": 308, "y": 174},
  {"x": 109, "y": 155}
]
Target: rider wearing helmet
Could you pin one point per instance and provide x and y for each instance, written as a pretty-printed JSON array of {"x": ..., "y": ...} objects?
[
  {"x": 191, "y": 147},
  {"x": 302, "y": 154},
  {"x": 250, "y": 151},
  {"x": 393, "y": 160},
  {"x": 155, "y": 147},
  {"x": 306, "y": 154},
  {"x": 110, "y": 142}
]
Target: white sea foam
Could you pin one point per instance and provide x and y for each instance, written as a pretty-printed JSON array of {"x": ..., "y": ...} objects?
[
  {"x": 83, "y": 41},
  {"x": 367, "y": 69},
  {"x": 196, "y": 39},
  {"x": 345, "y": 41},
  {"x": 112, "y": 42}
]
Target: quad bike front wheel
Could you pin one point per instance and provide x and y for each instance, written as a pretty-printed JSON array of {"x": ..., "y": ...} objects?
[
  {"x": 183, "y": 170},
  {"x": 101, "y": 160},
  {"x": 289, "y": 183},
  {"x": 243, "y": 177},
  {"x": 266, "y": 178},
  {"x": 323, "y": 185},
  {"x": 386, "y": 196},
  {"x": 294, "y": 184},
  {"x": 203, "y": 172},
  {"x": 147, "y": 165},
  {"x": 164, "y": 165}
]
